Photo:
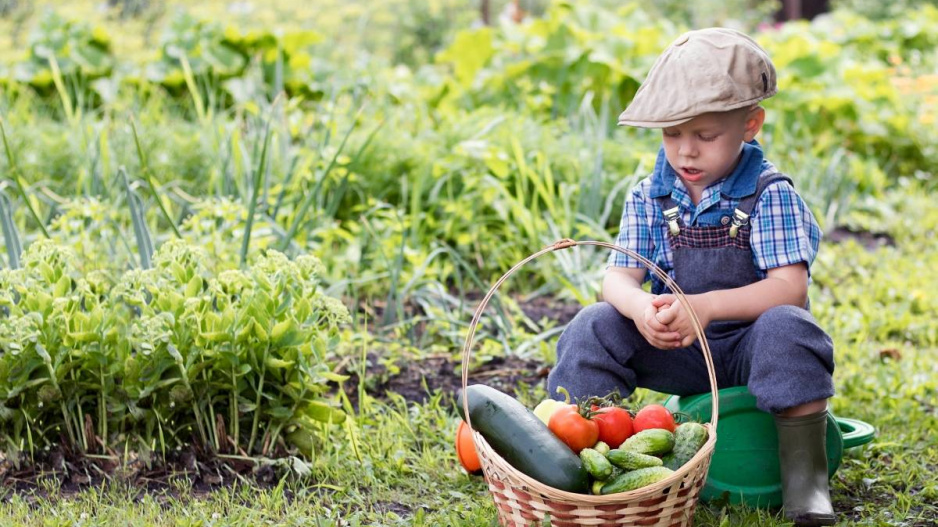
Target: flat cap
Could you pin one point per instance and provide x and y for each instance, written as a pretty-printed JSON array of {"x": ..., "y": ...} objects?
[{"x": 707, "y": 70}]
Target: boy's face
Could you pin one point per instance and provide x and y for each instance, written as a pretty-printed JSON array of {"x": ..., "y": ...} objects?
[{"x": 706, "y": 148}]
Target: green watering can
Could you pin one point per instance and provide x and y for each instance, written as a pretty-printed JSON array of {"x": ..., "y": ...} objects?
[{"x": 745, "y": 466}]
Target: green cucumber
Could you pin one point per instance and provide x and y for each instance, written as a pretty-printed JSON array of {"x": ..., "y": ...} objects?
[
  {"x": 688, "y": 439},
  {"x": 654, "y": 442},
  {"x": 631, "y": 460},
  {"x": 523, "y": 440},
  {"x": 601, "y": 447},
  {"x": 598, "y": 486},
  {"x": 636, "y": 479},
  {"x": 596, "y": 464}
]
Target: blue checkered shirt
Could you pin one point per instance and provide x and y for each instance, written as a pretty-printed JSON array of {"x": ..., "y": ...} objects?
[{"x": 784, "y": 230}]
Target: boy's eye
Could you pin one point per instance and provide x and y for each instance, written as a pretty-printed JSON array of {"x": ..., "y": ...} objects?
[
  {"x": 708, "y": 138},
  {"x": 671, "y": 134}
]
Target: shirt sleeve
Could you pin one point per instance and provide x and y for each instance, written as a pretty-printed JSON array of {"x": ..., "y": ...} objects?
[
  {"x": 634, "y": 232},
  {"x": 784, "y": 231}
]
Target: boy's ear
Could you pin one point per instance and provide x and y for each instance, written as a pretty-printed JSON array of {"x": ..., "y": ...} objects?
[{"x": 755, "y": 118}]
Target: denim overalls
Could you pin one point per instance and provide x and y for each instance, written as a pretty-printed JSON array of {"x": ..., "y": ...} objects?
[{"x": 783, "y": 356}]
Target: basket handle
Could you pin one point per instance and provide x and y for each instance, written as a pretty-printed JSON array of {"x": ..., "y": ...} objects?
[{"x": 565, "y": 244}]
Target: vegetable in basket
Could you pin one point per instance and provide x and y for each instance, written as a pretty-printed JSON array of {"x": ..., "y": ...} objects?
[
  {"x": 523, "y": 440},
  {"x": 466, "y": 450}
]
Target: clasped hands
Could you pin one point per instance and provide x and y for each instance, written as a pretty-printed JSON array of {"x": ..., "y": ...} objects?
[{"x": 666, "y": 324}]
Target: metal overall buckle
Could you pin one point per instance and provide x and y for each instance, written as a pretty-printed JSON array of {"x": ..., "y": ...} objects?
[
  {"x": 672, "y": 215},
  {"x": 740, "y": 219}
]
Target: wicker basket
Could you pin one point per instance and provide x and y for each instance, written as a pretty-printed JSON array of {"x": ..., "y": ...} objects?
[{"x": 523, "y": 501}]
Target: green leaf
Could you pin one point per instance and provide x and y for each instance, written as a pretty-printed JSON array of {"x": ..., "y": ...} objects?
[
  {"x": 84, "y": 336},
  {"x": 302, "y": 309},
  {"x": 469, "y": 52},
  {"x": 322, "y": 412},
  {"x": 194, "y": 287},
  {"x": 47, "y": 272},
  {"x": 41, "y": 351},
  {"x": 280, "y": 412},
  {"x": 174, "y": 353},
  {"x": 39, "y": 301},
  {"x": 335, "y": 377},
  {"x": 62, "y": 287},
  {"x": 216, "y": 336},
  {"x": 244, "y": 333},
  {"x": 281, "y": 328},
  {"x": 225, "y": 60},
  {"x": 303, "y": 440},
  {"x": 260, "y": 332},
  {"x": 278, "y": 364},
  {"x": 286, "y": 334},
  {"x": 296, "y": 40}
]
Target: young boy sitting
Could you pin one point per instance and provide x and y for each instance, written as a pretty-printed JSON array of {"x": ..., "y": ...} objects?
[{"x": 736, "y": 237}]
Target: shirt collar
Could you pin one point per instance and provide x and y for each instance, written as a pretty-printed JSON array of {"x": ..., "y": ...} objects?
[{"x": 739, "y": 184}]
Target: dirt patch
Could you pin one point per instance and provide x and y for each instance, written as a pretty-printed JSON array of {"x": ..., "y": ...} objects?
[
  {"x": 868, "y": 239},
  {"x": 544, "y": 308},
  {"x": 189, "y": 473},
  {"x": 416, "y": 380}
]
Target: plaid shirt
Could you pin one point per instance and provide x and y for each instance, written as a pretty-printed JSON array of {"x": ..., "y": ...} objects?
[{"x": 783, "y": 229}]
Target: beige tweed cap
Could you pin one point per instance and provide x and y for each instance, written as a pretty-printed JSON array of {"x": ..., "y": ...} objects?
[{"x": 707, "y": 70}]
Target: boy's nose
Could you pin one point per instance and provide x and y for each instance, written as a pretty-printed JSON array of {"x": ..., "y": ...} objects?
[{"x": 687, "y": 149}]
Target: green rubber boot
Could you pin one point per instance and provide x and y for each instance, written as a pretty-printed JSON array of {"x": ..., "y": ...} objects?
[{"x": 802, "y": 453}]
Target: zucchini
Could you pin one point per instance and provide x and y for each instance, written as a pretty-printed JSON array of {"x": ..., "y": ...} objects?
[{"x": 523, "y": 440}]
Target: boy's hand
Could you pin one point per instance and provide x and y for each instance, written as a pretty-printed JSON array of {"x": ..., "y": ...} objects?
[
  {"x": 672, "y": 314},
  {"x": 655, "y": 332}
]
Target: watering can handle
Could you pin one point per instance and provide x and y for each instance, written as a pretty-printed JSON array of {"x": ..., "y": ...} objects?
[{"x": 855, "y": 432}]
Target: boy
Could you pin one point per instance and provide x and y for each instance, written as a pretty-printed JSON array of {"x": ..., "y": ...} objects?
[{"x": 734, "y": 235}]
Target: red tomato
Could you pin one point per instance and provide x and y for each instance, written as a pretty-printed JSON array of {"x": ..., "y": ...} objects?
[
  {"x": 615, "y": 425},
  {"x": 466, "y": 450},
  {"x": 573, "y": 429},
  {"x": 653, "y": 416}
]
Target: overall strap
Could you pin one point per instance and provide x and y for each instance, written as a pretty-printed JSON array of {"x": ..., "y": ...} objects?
[
  {"x": 744, "y": 209},
  {"x": 671, "y": 213}
]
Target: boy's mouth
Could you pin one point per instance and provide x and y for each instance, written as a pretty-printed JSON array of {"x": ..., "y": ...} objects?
[{"x": 691, "y": 173}]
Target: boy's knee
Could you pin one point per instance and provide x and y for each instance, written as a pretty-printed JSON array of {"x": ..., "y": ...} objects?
[
  {"x": 590, "y": 322},
  {"x": 780, "y": 318},
  {"x": 598, "y": 314},
  {"x": 786, "y": 333}
]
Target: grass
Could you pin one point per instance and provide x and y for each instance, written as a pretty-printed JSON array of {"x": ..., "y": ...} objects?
[{"x": 404, "y": 470}]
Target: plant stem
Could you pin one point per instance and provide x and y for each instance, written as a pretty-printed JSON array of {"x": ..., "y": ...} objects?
[
  {"x": 235, "y": 421},
  {"x": 257, "y": 401},
  {"x": 295, "y": 224},
  {"x": 256, "y": 180},
  {"x": 19, "y": 182},
  {"x": 103, "y": 408},
  {"x": 211, "y": 416},
  {"x": 145, "y": 168}
]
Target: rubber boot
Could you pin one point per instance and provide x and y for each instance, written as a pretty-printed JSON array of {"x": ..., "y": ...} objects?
[{"x": 802, "y": 453}]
